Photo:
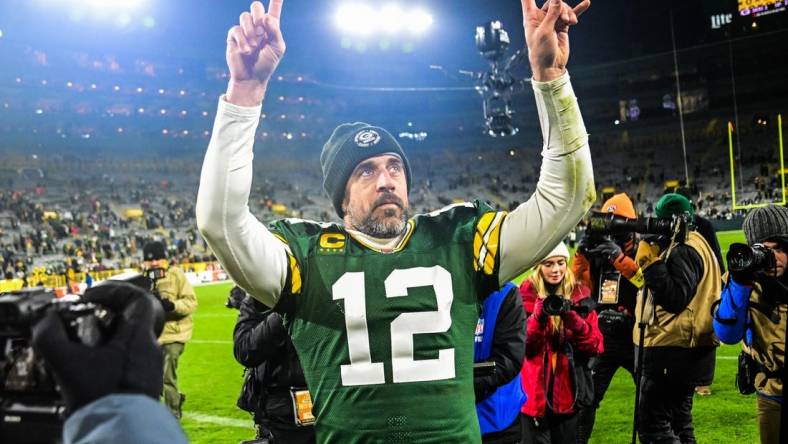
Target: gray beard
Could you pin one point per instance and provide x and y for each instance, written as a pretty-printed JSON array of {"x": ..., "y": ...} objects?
[{"x": 375, "y": 227}]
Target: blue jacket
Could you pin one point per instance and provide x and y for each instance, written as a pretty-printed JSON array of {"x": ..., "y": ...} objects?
[
  {"x": 730, "y": 319},
  {"x": 500, "y": 337},
  {"x": 123, "y": 419},
  {"x": 757, "y": 316}
]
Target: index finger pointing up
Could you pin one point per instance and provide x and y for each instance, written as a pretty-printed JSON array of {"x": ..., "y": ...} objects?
[{"x": 275, "y": 8}]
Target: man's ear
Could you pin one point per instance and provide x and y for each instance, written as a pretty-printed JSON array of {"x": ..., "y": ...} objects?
[{"x": 345, "y": 202}]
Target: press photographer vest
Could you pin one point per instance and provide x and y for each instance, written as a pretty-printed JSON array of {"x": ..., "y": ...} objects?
[
  {"x": 768, "y": 340},
  {"x": 693, "y": 326}
]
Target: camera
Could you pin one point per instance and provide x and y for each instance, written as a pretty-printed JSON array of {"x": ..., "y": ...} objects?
[
  {"x": 555, "y": 305},
  {"x": 498, "y": 85},
  {"x": 31, "y": 407},
  {"x": 600, "y": 226},
  {"x": 745, "y": 258},
  {"x": 492, "y": 40}
]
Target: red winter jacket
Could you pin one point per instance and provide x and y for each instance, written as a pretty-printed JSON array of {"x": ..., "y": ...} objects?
[{"x": 582, "y": 334}]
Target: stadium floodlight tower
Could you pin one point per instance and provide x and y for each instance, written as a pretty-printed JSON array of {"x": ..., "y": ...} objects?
[{"x": 498, "y": 84}]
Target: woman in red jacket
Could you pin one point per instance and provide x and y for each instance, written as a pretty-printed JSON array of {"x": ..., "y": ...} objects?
[{"x": 557, "y": 350}]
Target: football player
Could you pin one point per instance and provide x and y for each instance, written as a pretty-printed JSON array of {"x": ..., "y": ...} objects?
[{"x": 382, "y": 307}]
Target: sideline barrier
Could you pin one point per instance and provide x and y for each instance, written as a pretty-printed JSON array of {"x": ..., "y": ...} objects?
[{"x": 198, "y": 273}]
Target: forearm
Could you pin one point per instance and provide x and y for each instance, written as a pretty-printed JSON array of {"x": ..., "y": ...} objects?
[
  {"x": 589, "y": 339},
  {"x": 582, "y": 270},
  {"x": 248, "y": 351},
  {"x": 565, "y": 190},
  {"x": 242, "y": 244},
  {"x": 673, "y": 282},
  {"x": 535, "y": 336},
  {"x": 730, "y": 319},
  {"x": 186, "y": 303}
]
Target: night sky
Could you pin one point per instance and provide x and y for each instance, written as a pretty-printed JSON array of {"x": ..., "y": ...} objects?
[{"x": 610, "y": 30}]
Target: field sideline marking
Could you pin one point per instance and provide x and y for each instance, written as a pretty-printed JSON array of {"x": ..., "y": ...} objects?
[{"x": 219, "y": 420}]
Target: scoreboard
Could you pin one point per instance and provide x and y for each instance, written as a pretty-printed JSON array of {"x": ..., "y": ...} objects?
[
  {"x": 757, "y": 8},
  {"x": 739, "y": 17}
]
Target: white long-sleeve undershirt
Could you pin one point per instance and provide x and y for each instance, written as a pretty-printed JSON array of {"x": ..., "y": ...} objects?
[{"x": 257, "y": 261}]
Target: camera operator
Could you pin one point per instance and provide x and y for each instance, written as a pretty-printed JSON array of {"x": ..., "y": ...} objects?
[
  {"x": 562, "y": 334},
  {"x": 177, "y": 298},
  {"x": 261, "y": 342},
  {"x": 682, "y": 282},
  {"x": 607, "y": 267},
  {"x": 111, "y": 390},
  {"x": 753, "y": 308},
  {"x": 704, "y": 227}
]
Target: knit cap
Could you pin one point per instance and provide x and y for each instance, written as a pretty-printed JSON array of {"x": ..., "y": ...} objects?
[
  {"x": 560, "y": 250},
  {"x": 349, "y": 144},
  {"x": 766, "y": 223},
  {"x": 620, "y": 205},
  {"x": 673, "y": 204},
  {"x": 154, "y": 250}
]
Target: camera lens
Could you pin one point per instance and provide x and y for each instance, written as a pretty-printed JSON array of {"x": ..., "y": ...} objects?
[{"x": 554, "y": 305}]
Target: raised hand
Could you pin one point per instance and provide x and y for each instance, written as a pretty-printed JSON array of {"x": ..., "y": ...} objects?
[
  {"x": 547, "y": 35},
  {"x": 254, "y": 48}
]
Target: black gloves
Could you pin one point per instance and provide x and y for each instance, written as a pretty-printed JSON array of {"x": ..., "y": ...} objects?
[
  {"x": 167, "y": 304},
  {"x": 129, "y": 361},
  {"x": 744, "y": 277},
  {"x": 607, "y": 249}
]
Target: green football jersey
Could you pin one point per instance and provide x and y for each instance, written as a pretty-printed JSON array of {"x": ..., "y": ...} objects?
[{"x": 386, "y": 338}]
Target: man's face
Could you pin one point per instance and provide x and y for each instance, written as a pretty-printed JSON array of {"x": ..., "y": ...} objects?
[
  {"x": 376, "y": 197},
  {"x": 156, "y": 263},
  {"x": 780, "y": 259}
]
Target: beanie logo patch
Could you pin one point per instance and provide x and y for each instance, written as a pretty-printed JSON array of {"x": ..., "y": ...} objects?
[
  {"x": 367, "y": 138},
  {"x": 612, "y": 208}
]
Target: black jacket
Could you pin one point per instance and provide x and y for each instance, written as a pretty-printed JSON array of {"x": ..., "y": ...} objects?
[
  {"x": 706, "y": 229},
  {"x": 260, "y": 340},
  {"x": 508, "y": 348},
  {"x": 673, "y": 284}
]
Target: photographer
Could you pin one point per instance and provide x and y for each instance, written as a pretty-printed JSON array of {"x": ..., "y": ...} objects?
[
  {"x": 177, "y": 298},
  {"x": 679, "y": 347},
  {"x": 607, "y": 267},
  {"x": 111, "y": 390},
  {"x": 261, "y": 342},
  {"x": 559, "y": 342},
  {"x": 753, "y": 308}
]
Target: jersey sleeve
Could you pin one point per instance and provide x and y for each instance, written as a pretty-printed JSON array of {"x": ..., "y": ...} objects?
[
  {"x": 486, "y": 244},
  {"x": 289, "y": 237}
]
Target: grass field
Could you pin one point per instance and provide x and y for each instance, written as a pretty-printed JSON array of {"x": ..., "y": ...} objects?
[{"x": 211, "y": 379}]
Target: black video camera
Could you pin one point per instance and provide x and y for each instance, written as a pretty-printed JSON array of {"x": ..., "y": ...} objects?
[
  {"x": 555, "y": 305},
  {"x": 31, "y": 407},
  {"x": 745, "y": 258},
  {"x": 492, "y": 40},
  {"x": 607, "y": 225}
]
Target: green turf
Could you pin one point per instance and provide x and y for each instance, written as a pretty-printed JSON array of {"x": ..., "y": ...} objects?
[
  {"x": 211, "y": 379},
  {"x": 209, "y": 375}
]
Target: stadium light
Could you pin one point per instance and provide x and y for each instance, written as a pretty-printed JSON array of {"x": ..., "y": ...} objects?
[
  {"x": 356, "y": 19},
  {"x": 120, "y": 13},
  {"x": 363, "y": 19}
]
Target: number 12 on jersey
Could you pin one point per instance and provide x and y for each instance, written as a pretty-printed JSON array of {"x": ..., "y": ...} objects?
[{"x": 361, "y": 370}]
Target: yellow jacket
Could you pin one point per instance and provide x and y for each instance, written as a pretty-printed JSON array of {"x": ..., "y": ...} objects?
[{"x": 175, "y": 287}]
